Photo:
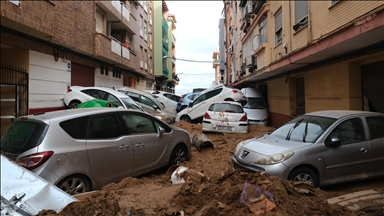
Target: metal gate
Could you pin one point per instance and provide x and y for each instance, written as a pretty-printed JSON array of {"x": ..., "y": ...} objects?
[{"x": 14, "y": 91}]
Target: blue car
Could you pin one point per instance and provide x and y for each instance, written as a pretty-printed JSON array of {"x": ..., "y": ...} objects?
[{"x": 185, "y": 100}]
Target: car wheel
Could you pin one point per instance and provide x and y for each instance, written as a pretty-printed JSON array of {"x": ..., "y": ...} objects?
[
  {"x": 179, "y": 155},
  {"x": 304, "y": 174},
  {"x": 73, "y": 104},
  {"x": 186, "y": 119},
  {"x": 74, "y": 185}
]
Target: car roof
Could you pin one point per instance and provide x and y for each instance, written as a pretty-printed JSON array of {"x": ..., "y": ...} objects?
[
  {"x": 73, "y": 113},
  {"x": 109, "y": 90},
  {"x": 150, "y": 96},
  {"x": 341, "y": 113}
]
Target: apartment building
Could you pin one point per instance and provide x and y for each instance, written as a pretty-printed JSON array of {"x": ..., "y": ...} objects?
[
  {"x": 165, "y": 48},
  {"x": 307, "y": 55},
  {"x": 47, "y": 46}
]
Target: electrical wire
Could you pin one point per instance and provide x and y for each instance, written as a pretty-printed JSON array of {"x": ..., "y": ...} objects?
[{"x": 189, "y": 60}]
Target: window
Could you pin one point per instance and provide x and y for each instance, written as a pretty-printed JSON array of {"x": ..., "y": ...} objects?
[
  {"x": 301, "y": 11},
  {"x": 76, "y": 128},
  {"x": 278, "y": 28},
  {"x": 105, "y": 126},
  {"x": 141, "y": 26},
  {"x": 334, "y": 1},
  {"x": 137, "y": 124},
  {"x": 226, "y": 107},
  {"x": 114, "y": 100},
  {"x": 349, "y": 131},
  {"x": 263, "y": 30},
  {"x": 150, "y": 16},
  {"x": 255, "y": 103},
  {"x": 99, "y": 22},
  {"x": 376, "y": 127}
]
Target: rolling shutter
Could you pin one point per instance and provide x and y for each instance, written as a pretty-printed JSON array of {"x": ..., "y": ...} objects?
[
  {"x": 82, "y": 75},
  {"x": 373, "y": 88}
]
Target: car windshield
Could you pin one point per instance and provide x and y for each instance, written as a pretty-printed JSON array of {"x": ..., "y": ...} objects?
[
  {"x": 305, "y": 128},
  {"x": 255, "y": 103},
  {"x": 131, "y": 104},
  {"x": 20, "y": 137}
]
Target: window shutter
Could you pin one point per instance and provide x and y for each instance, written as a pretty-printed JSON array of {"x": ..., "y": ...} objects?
[
  {"x": 99, "y": 22},
  {"x": 301, "y": 10},
  {"x": 278, "y": 21}
]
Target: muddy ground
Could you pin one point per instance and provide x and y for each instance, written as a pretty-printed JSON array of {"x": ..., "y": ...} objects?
[{"x": 210, "y": 189}]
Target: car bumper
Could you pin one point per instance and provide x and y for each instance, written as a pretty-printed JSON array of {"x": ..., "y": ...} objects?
[
  {"x": 279, "y": 170},
  {"x": 228, "y": 127}
]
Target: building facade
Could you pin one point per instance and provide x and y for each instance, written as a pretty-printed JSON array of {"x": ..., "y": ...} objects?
[
  {"x": 307, "y": 55},
  {"x": 47, "y": 46}
]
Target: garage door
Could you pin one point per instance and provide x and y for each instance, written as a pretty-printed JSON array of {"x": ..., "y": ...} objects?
[
  {"x": 373, "y": 88},
  {"x": 82, "y": 75}
]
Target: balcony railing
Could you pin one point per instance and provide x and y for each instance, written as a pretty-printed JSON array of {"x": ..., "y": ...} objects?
[
  {"x": 121, "y": 8},
  {"x": 118, "y": 48}
]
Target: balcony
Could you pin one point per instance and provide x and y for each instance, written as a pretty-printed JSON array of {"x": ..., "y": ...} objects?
[
  {"x": 118, "y": 15},
  {"x": 165, "y": 72},
  {"x": 112, "y": 51}
]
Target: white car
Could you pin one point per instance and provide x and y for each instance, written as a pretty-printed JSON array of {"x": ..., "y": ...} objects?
[
  {"x": 195, "y": 111},
  {"x": 168, "y": 99},
  {"x": 225, "y": 117},
  {"x": 78, "y": 94}
]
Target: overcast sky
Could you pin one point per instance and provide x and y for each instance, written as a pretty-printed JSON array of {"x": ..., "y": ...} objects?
[{"x": 197, "y": 37}]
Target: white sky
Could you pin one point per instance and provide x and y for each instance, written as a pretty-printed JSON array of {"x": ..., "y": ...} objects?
[{"x": 197, "y": 37}]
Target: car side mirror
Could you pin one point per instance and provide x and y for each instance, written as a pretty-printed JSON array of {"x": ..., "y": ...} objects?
[
  {"x": 154, "y": 107},
  {"x": 161, "y": 130},
  {"x": 333, "y": 143},
  {"x": 190, "y": 104}
]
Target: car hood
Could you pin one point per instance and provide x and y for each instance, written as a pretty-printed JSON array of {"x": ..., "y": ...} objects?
[{"x": 269, "y": 145}]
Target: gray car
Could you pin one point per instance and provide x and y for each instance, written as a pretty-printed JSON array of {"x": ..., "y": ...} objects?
[
  {"x": 80, "y": 150},
  {"x": 150, "y": 104},
  {"x": 322, "y": 148}
]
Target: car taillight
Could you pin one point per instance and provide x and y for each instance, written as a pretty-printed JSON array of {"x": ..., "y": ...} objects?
[
  {"x": 234, "y": 91},
  {"x": 206, "y": 115},
  {"x": 69, "y": 89},
  {"x": 244, "y": 118},
  {"x": 35, "y": 160}
]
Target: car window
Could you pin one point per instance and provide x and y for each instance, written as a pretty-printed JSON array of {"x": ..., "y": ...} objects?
[
  {"x": 214, "y": 93},
  {"x": 166, "y": 127},
  {"x": 305, "y": 128},
  {"x": 138, "y": 124},
  {"x": 255, "y": 103},
  {"x": 349, "y": 131},
  {"x": 131, "y": 104},
  {"x": 147, "y": 101},
  {"x": 22, "y": 136},
  {"x": 114, "y": 100},
  {"x": 76, "y": 128},
  {"x": 225, "y": 107},
  {"x": 134, "y": 96},
  {"x": 101, "y": 95},
  {"x": 104, "y": 126},
  {"x": 200, "y": 99},
  {"x": 376, "y": 127}
]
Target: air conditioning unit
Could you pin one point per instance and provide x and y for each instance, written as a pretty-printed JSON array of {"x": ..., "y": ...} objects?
[{"x": 248, "y": 61}]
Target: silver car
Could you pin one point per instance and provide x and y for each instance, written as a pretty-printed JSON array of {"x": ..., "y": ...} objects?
[
  {"x": 321, "y": 148},
  {"x": 80, "y": 150}
]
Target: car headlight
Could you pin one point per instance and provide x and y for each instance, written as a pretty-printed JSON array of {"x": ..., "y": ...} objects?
[
  {"x": 275, "y": 159},
  {"x": 241, "y": 144}
]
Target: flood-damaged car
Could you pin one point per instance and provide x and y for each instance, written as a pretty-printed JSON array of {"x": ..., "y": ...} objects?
[
  {"x": 225, "y": 117},
  {"x": 322, "y": 148}
]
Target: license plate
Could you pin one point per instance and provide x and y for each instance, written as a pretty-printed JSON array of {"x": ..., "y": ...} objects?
[{"x": 227, "y": 128}]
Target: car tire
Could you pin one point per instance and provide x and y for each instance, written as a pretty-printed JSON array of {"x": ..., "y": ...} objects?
[
  {"x": 179, "y": 155},
  {"x": 304, "y": 174},
  {"x": 186, "y": 119},
  {"x": 75, "y": 184},
  {"x": 73, "y": 104}
]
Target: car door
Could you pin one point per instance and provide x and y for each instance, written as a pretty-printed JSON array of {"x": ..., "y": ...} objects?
[
  {"x": 376, "y": 143},
  {"x": 110, "y": 152},
  {"x": 352, "y": 157},
  {"x": 148, "y": 146}
]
